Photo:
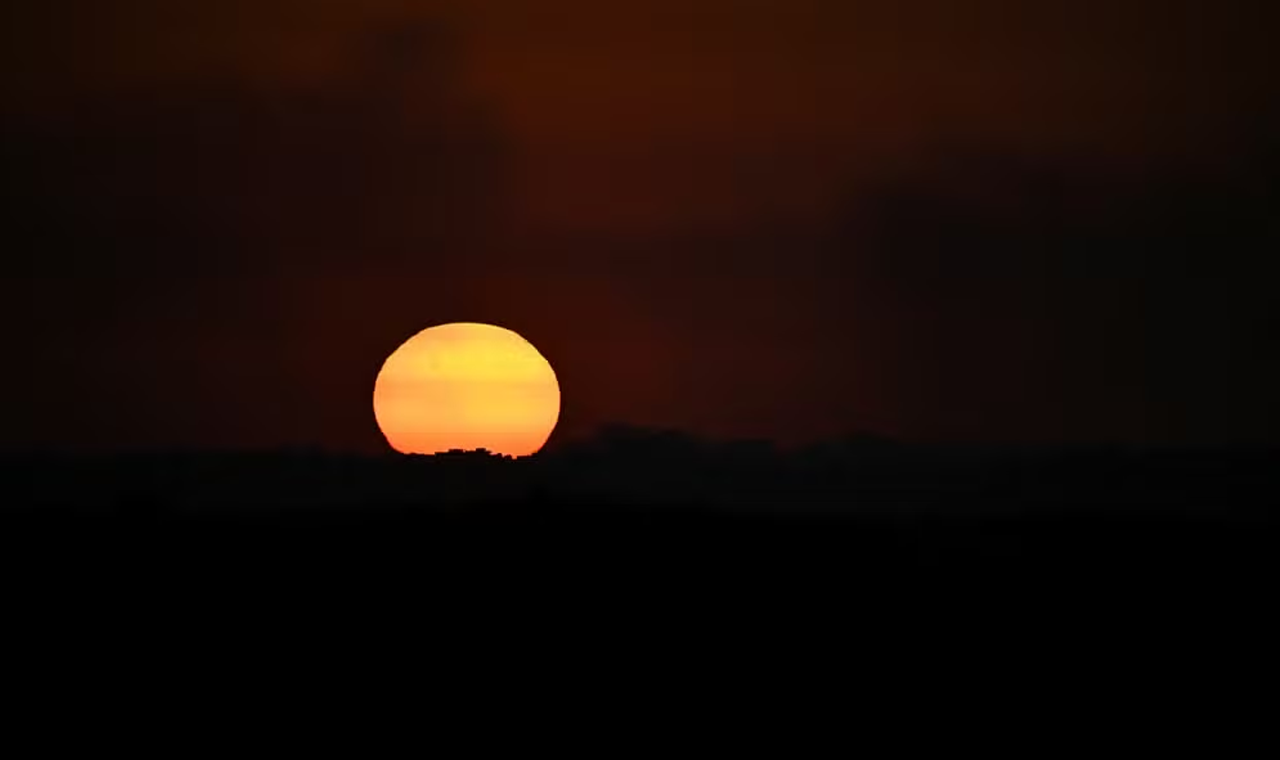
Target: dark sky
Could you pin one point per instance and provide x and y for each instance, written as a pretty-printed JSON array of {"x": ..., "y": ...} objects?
[{"x": 985, "y": 221}]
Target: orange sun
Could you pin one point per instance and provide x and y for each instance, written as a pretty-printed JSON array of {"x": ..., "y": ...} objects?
[{"x": 466, "y": 386}]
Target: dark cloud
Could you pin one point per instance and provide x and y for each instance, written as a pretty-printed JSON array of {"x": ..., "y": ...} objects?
[
  {"x": 1128, "y": 304},
  {"x": 388, "y": 165}
]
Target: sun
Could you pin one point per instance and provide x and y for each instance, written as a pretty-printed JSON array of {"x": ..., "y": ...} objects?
[{"x": 466, "y": 386}]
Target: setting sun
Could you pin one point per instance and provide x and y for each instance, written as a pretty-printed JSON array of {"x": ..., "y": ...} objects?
[{"x": 466, "y": 386}]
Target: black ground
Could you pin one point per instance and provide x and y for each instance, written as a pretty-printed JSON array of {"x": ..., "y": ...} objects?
[
  {"x": 653, "y": 508},
  {"x": 647, "y": 558}
]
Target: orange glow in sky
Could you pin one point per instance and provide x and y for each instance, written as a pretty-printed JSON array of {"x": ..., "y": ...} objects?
[{"x": 466, "y": 386}]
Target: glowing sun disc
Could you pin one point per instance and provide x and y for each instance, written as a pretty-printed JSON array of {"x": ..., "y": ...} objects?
[{"x": 466, "y": 386}]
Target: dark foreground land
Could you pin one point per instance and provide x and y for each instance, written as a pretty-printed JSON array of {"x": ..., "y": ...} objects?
[
  {"x": 652, "y": 553},
  {"x": 650, "y": 508},
  {"x": 646, "y": 575}
]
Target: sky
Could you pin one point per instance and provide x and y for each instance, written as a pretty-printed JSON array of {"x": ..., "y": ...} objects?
[{"x": 790, "y": 219}]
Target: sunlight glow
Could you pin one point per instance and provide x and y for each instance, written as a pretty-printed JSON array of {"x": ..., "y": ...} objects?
[{"x": 467, "y": 386}]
